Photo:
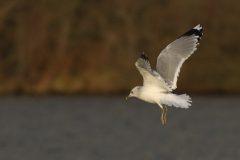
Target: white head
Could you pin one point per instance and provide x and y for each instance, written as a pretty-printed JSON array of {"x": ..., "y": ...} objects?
[{"x": 134, "y": 92}]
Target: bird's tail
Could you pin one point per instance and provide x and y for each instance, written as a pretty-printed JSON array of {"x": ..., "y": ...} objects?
[{"x": 182, "y": 101}]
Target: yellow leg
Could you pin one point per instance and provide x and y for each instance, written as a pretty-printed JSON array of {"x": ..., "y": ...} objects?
[
  {"x": 165, "y": 117},
  {"x": 162, "y": 118}
]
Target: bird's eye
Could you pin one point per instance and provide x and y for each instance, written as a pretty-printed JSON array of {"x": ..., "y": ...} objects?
[{"x": 131, "y": 92}]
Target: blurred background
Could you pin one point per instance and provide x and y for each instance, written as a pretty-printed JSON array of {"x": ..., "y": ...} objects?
[
  {"x": 91, "y": 46},
  {"x": 66, "y": 67}
]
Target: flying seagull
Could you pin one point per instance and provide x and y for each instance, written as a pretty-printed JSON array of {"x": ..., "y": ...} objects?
[{"x": 158, "y": 84}]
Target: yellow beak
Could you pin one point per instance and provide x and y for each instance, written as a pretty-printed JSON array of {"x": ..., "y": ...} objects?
[{"x": 128, "y": 96}]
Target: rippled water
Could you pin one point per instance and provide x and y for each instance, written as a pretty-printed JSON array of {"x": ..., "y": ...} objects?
[{"x": 112, "y": 128}]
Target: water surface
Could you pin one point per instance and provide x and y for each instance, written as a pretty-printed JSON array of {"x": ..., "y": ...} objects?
[{"x": 112, "y": 128}]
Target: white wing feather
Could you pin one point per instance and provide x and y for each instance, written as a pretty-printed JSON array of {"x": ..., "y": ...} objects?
[
  {"x": 172, "y": 57},
  {"x": 151, "y": 79}
]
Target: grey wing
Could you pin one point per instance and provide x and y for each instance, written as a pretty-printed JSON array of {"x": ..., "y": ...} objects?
[
  {"x": 172, "y": 57},
  {"x": 151, "y": 79}
]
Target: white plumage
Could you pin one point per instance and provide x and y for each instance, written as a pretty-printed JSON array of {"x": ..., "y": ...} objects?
[{"x": 158, "y": 85}]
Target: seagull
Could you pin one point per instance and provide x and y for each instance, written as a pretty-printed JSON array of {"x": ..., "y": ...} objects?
[{"x": 158, "y": 84}]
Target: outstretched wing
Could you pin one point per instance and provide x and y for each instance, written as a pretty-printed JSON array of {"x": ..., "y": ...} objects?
[
  {"x": 151, "y": 79},
  {"x": 172, "y": 57}
]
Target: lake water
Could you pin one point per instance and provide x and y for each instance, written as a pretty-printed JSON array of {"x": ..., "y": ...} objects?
[{"x": 112, "y": 128}]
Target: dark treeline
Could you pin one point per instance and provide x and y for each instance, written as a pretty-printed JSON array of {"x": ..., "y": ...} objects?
[{"x": 79, "y": 46}]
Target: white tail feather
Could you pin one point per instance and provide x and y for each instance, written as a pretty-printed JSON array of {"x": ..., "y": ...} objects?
[{"x": 182, "y": 101}]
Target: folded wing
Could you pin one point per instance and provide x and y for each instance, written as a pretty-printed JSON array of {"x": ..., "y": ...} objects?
[{"x": 172, "y": 57}]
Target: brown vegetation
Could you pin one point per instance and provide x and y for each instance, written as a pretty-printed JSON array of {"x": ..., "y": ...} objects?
[{"x": 77, "y": 46}]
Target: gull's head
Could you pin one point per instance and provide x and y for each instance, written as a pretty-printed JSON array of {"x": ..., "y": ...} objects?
[{"x": 134, "y": 92}]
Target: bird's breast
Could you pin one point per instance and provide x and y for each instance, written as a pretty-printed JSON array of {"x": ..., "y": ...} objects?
[{"x": 149, "y": 96}]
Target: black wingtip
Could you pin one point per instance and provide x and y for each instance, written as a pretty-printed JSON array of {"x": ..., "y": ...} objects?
[
  {"x": 195, "y": 31},
  {"x": 144, "y": 57}
]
